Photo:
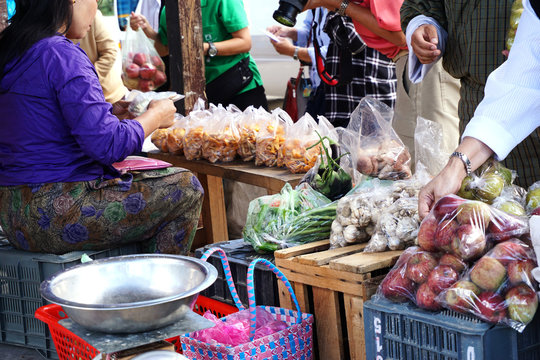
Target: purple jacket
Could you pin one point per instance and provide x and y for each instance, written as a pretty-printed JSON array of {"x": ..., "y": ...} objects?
[{"x": 55, "y": 125}]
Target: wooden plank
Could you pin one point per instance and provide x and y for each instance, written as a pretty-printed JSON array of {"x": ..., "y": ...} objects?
[
  {"x": 285, "y": 300},
  {"x": 186, "y": 59},
  {"x": 272, "y": 179},
  {"x": 302, "y": 295},
  {"x": 3, "y": 15},
  {"x": 213, "y": 212},
  {"x": 365, "y": 262},
  {"x": 302, "y": 249},
  {"x": 355, "y": 326},
  {"x": 331, "y": 283},
  {"x": 328, "y": 324},
  {"x": 325, "y": 257}
]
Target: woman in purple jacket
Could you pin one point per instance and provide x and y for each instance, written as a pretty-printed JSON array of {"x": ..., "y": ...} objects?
[{"x": 58, "y": 189}]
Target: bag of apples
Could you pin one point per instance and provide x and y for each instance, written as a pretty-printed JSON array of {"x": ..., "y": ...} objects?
[
  {"x": 420, "y": 276},
  {"x": 499, "y": 288},
  {"x": 142, "y": 67}
]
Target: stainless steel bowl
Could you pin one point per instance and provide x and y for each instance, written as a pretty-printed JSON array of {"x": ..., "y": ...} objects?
[{"x": 129, "y": 294}]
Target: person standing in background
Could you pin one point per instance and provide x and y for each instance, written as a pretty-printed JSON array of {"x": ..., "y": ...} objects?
[
  {"x": 102, "y": 51},
  {"x": 302, "y": 48},
  {"x": 470, "y": 37}
]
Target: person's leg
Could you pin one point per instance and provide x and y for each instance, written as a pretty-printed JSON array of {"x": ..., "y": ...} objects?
[
  {"x": 158, "y": 205},
  {"x": 316, "y": 104},
  {"x": 254, "y": 97}
]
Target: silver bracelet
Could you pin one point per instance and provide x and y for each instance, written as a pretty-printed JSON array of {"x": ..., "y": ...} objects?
[
  {"x": 343, "y": 7},
  {"x": 465, "y": 159}
]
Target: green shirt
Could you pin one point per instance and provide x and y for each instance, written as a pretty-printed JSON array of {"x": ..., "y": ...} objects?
[
  {"x": 476, "y": 38},
  {"x": 220, "y": 18}
]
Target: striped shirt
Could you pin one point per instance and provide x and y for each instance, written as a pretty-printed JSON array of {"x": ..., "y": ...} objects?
[{"x": 374, "y": 74}]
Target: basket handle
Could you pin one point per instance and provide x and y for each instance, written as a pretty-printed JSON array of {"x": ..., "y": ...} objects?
[
  {"x": 227, "y": 272},
  {"x": 251, "y": 292}
]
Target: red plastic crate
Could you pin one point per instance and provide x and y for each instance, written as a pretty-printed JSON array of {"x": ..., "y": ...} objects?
[{"x": 69, "y": 346}]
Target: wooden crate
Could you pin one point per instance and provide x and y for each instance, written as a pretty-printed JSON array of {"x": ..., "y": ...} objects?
[{"x": 333, "y": 285}]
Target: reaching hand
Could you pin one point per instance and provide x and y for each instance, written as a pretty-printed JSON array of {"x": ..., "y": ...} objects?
[
  {"x": 137, "y": 21},
  {"x": 424, "y": 42},
  {"x": 164, "y": 110},
  {"x": 120, "y": 109},
  {"x": 283, "y": 46}
]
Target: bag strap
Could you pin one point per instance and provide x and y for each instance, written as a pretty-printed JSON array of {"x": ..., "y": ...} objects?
[
  {"x": 251, "y": 293},
  {"x": 227, "y": 272}
]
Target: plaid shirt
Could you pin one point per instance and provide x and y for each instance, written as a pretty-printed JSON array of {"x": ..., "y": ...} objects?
[
  {"x": 476, "y": 38},
  {"x": 373, "y": 73}
]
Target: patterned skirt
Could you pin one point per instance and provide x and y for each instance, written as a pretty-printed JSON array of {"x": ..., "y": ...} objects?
[{"x": 159, "y": 208}]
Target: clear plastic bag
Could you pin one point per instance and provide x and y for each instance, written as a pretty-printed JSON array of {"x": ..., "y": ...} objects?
[
  {"x": 294, "y": 153},
  {"x": 428, "y": 145},
  {"x": 532, "y": 199},
  {"x": 419, "y": 276},
  {"x": 379, "y": 151},
  {"x": 221, "y": 137},
  {"x": 466, "y": 228},
  {"x": 499, "y": 287},
  {"x": 171, "y": 139},
  {"x": 249, "y": 126},
  {"x": 195, "y": 129},
  {"x": 271, "y": 138},
  {"x": 138, "y": 100},
  {"x": 142, "y": 67}
]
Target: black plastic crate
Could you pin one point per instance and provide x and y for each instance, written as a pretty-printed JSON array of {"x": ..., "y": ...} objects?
[
  {"x": 240, "y": 255},
  {"x": 405, "y": 332},
  {"x": 21, "y": 274}
]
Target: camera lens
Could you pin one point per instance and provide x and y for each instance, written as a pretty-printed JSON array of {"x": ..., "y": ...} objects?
[{"x": 286, "y": 15}]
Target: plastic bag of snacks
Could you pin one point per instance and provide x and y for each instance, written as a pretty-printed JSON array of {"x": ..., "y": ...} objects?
[
  {"x": 193, "y": 139},
  {"x": 171, "y": 139},
  {"x": 487, "y": 182},
  {"x": 499, "y": 287},
  {"x": 139, "y": 101},
  {"x": 464, "y": 227},
  {"x": 249, "y": 125},
  {"x": 271, "y": 138},
  {"x": 379, "y": 152},
  {"x": 297, "y": 153},
  {"x": 419, "y": 276},
  {"x": 142, "y": 67},
  {"x": 220, "y": 140}
]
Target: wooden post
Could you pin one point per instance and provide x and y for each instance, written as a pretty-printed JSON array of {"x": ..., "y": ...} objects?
[
  {"x": 186, "y": 59},
  {"x": 3, "y": 14}
]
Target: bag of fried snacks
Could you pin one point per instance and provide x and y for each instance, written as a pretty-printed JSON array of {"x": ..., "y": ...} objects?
[
  {"x": 220, "y": 140},
  {"x": 193, "y": 139},
  {"x": 271, "y": 137},
  {"x": 297, "y": 153},
  {"x": 249, "y": 125}
]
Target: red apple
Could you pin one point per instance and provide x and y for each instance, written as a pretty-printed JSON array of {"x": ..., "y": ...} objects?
[
  {"x": 146, "y": 85},
  {"x": 446, "y": 232},
  {"x": 139, "y": 58},
  {"x": 461, "y": 296},
  {"x": 160, "y": 78},
  {"x": 488, "y": 273},
  {"x": 147, "y": 71},
  {"x": 446, "y": 207},
  {"x": 510, "y": 250},
  {"x": 474, "y": 212},
  {"x": 157, "y": 62},
  {"x": 397, "y": 287},
  {"x": 426, "y": 298},
  {"x": 453, "y": 261},
  {"x": 471, "y": 244},
  {"x": 442, "y": 277},
  {"x": 522, "y": 303},
  {"x": 427, "y": 232},
  {"x": 490, "y": 306},
  {"x": 506, "y": 227},
  {"x": 419, "y": 266},
  {"x": 520, "y": 271},
  {"x": 132, "y": 71},
  {"x": 536, "y": 211}
]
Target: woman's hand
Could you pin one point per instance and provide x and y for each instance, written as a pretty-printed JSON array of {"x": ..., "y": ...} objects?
[
  {"x": 424, "y": 42},
  {"x": 120, "y": 109},
  {"x": 283, "y": 46},
  {"x": 137, "y": 21},
  {"x": 164, "y": 110}
]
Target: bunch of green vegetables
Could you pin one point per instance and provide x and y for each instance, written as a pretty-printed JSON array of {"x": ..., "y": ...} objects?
[
  {"x": 293, "y": 216},
  {"x": 330, "y": 180}
]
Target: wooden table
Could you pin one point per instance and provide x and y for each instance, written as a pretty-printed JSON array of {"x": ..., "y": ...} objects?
[{"x": 211, "y": 177}]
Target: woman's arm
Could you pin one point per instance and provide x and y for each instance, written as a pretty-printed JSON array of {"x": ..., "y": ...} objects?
[{"x": 240, "y": 43}]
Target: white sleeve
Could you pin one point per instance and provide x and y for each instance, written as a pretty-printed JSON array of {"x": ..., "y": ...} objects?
[
  {"x": 417, "y": 70},
  {"x": 510, "y": 109}
]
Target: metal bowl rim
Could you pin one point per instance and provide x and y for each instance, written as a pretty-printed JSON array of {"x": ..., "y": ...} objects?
[{"x": 209, "y": 269}]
